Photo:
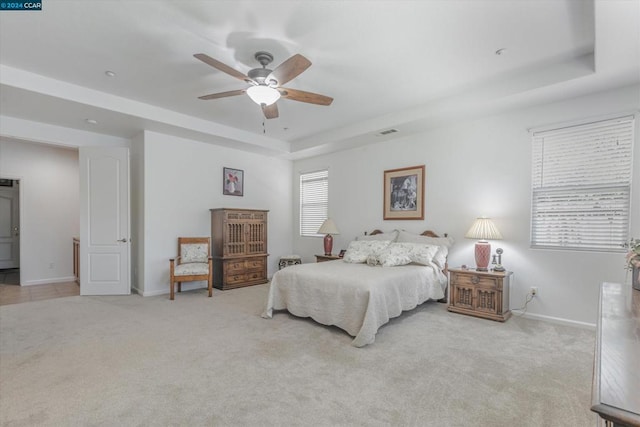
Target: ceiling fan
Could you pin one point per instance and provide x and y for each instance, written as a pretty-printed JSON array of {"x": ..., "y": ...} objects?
[{"x": 265, "y": 84}]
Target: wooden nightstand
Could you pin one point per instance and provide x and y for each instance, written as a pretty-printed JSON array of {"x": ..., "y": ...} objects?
[
  {"x": 321, "y": 258},
  {"x": 480, "y": 293}
]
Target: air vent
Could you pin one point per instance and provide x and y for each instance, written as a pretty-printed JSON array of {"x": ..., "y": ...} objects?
[{"x": 387, "y": 132}]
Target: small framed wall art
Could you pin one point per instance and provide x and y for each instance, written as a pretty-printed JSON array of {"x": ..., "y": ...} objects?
[
  {"x": 232, "y": 182},
  {"x": 404, "y": 193}
]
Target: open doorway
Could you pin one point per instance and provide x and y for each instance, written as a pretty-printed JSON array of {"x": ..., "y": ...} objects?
[{"x": 9, "y": 231}]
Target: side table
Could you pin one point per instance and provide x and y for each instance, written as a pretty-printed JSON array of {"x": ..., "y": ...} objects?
[
  {"x": 322, "y": 258},
  {"x": 480, "y": 293},
  {"x": 288, "y": 260}
]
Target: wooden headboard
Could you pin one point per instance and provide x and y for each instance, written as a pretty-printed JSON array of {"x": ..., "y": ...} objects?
[
  {"x": 445, "y": 270},
  {"x": 427, "y": 233}
]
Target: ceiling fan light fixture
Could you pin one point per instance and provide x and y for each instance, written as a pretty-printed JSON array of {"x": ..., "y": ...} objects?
[{"x": 262, "y": 94}]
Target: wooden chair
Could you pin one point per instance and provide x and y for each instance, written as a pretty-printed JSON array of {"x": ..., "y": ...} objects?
[{"x": 193, "y": 263}]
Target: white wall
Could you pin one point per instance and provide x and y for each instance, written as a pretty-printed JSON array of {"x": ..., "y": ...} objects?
[
  {"x": 476, "y": 168},
  {"x": 49, "y": 187},
  {"x": 183, "y": 180}
]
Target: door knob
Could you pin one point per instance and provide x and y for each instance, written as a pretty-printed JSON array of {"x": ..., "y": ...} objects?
[{"x": 123, "y": 240}]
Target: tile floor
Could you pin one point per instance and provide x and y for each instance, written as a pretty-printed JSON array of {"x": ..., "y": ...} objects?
[{"x": 12, "y": 293}]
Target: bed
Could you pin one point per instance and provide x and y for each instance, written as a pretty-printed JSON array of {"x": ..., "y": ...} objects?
[{"x": 360, "y": 297}]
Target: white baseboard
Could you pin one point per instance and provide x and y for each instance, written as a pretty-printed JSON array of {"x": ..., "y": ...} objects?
[
  {"x": 156, "y": 292},
  {"x": 47, "y": 281},
  {"x": 558, "y": 320}
]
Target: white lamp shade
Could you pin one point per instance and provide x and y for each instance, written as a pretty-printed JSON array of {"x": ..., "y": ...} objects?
[
  {"x": 483, "y": 229},
  {"x": 328, "y": 227},
  {"x": 262, "y": 94}
]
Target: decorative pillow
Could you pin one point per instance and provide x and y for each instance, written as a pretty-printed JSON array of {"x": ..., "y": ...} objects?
[
  {"x": 405, "y": 253},
  {"x": 395, "y": 254},
  {"x": 372, "y": 260},
  {"x": 423, "y": 254},
  {"x": 194, "y": 252},
  {"x": 440, "y": 258},
  {"x": 391, "y": 236},
  {"x": 359, "y": 250}
]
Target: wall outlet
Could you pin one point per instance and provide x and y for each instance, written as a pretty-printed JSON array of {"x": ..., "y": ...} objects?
[{"x": 533, "y": 291}]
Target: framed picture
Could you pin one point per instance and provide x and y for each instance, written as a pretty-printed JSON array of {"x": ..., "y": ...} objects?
[
  {"x": 404, "y": 193},
  {"x": 232, "y": 182}
]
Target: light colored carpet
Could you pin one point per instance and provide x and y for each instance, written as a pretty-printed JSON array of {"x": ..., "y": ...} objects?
[{"x": 105, "y": 361}]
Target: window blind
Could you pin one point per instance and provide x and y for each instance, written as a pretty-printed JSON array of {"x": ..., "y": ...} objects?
[
  {"x": 314, "y": 201},
  {"x": 581, "y": 185}
]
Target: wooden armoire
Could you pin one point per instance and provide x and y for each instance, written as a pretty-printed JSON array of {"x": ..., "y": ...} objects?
[{"x": 238, "y": 247}]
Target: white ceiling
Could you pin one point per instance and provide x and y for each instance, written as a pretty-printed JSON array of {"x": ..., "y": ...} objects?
[{"x": 408, "y": 65}]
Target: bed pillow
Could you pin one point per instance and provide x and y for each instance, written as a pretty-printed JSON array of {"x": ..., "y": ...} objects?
[
  {"x": 397, "y": 254},
  {"x": 394, "y": 255},
  {"x": 391, "y": 236},
  {"x": 404, "y": 236},
  {"x": 440, "y": 258},
  {"x": 359, "y": 250},
  {"x": 423, "y": 254}
]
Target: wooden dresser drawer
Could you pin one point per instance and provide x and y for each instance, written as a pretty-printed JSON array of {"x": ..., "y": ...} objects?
[
  {"x": 234, "y": 266},
  {"x": 242, "y": 279},
  {"x": 475, "y": 280},
  {"x": 255, "y": 264},
  {"x": 256, "y": 276},
  {"x": 235, "y": 278},
  {"x": 243, "y": 265}
]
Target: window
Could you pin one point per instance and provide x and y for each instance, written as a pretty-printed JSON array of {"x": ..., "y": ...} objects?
[
  {"x": 581, "y": 185},
  {"x": 314, "y": 201}
]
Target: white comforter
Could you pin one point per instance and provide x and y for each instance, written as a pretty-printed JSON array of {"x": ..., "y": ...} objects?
[{"x": 357, "y": 298}]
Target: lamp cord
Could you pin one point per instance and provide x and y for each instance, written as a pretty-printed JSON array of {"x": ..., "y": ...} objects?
[{"x": 527, "y": 300}]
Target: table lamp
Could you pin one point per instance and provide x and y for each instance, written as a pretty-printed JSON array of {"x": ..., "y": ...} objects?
[
  {"x": 328, "y": 228},
  {"x": 483, "y": 229}
]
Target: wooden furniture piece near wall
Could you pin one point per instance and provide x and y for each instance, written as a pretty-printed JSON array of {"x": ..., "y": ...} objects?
[
  {"x": 239, "y": 239},
  {"x": 322, "y": 258},
  {"x": 193, "y": 263},
  {"x": 76, "y": 259},
  {"x": 288, "y": 260},
  {"x": 480, "y": 293},
  {"x": 616, "y": 370}
]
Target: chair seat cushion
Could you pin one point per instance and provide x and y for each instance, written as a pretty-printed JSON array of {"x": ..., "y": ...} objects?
[{"x": 191, "y": 269}]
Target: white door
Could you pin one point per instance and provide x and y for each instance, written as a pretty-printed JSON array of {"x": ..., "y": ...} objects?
[
  {"x": 104, "y": 221},
  {"x": 9, "y": 228}
]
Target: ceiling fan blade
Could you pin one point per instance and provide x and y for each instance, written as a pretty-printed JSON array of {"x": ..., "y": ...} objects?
[
  {"x": 302, "y": 96},
  {"x": 289, "y": 69},
  {"x": 222, "y": 67},
  {"x": 270, "y": 111},
  {"x": 222, "y": 94}
]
